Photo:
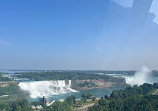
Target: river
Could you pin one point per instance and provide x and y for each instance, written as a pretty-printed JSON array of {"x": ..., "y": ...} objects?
[{"x": 56, "y": 90}]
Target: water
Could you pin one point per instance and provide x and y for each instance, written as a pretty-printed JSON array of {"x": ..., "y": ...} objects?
[
  {"x": 18, "y": 71},
  {"x": 46, "y": 88},
  {"x": 60, "y": 90},
  {"x": 95, "y": 92},
  {"x": 139, "y": 78},
  {"x": 67, "y": 92}
]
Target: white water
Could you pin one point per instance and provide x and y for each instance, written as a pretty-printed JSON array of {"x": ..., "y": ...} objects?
[
  {"x": 140, "y": 77},
  {"x": 46, "y": 88}
]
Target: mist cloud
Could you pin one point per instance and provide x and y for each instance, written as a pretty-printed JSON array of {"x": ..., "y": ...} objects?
[{"x": 140, "y": 77}]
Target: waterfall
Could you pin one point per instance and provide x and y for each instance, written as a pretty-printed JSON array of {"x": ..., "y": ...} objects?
[
  {"x": 46, "y": 88},
  {"x": 141, "y": 77}
]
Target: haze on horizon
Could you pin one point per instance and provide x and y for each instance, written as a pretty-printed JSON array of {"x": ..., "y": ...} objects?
[{"x": 78, "y": 34}]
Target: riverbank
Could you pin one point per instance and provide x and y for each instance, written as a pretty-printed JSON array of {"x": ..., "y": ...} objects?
[{"x": 94, "y": 84}]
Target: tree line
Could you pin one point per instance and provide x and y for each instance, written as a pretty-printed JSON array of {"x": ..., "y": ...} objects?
[
  {"x": 136, "y": 98},
  {"x": 38, "y": 76}
]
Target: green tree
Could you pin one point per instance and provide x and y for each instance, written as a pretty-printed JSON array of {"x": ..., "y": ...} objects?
[
  {"x": 60, "y": 106},
  {"x": 4, "y": 107},
  {"x": 20, "y": 105},
  {"x": 71, "y": 100}
]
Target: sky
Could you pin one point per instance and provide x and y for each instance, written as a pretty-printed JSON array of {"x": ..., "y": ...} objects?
[
  {"x": 128, "y": 3},
  {"x": 77, "y": 35}
]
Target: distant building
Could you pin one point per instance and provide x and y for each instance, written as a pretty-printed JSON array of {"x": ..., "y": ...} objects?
[
  {"x": 37, "y": 108},
  {"x": 43, "y": 101}
]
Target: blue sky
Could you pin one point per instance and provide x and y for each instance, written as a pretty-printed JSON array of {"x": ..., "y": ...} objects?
[
  {"x": 124, "y": 3},
  {"x": 74, "y": 34}
]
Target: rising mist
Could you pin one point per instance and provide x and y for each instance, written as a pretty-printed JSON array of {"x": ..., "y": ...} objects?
[{"x": 140, "y": 77}]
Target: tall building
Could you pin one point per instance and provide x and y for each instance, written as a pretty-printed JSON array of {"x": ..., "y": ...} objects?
[{"x": 43, "y": 101}]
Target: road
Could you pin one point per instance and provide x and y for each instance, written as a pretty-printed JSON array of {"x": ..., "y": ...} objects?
[
  {"x": 156, "y": 92},
  {"x": 85, "y": 107}
]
